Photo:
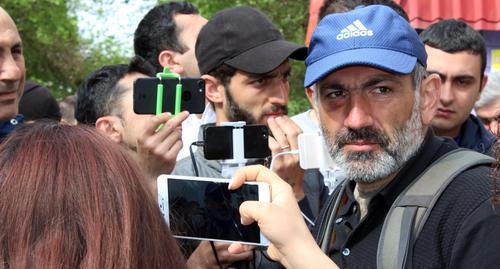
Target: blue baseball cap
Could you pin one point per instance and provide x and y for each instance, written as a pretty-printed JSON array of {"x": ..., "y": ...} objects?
[{"x": 374, "y": 36}]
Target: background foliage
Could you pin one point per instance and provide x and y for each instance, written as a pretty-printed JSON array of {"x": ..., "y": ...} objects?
[
  {"x": 56, "y": 55},
  {"x": 59, "y": 58}
]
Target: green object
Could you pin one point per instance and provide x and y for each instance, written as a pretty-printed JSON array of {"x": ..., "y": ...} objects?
[
  {"x": 178, "y": 95},
  {"x": 159, "y": 91},
  {"x": 159, "y": 98}
]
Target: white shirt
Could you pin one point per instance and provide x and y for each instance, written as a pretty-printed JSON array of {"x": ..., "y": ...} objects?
[{"x": 191, "y": 127}]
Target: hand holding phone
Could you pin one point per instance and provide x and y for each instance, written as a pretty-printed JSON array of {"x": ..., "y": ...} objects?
[
  {"x": 280, "y": 221},
  {"x": 157, "y": 149},
  {"x": 205, "y": 209}
]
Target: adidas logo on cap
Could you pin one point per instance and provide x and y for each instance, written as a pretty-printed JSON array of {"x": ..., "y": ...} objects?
[{"x": 354, "y": 29}]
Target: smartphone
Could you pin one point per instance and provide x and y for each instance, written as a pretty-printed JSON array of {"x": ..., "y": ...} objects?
[
  {"x": 204, "y": 209},
  {"x": 193, "y": 95},
  {"x": 218, "y": 142}
]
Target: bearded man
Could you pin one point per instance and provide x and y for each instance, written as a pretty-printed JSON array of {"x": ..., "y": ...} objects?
[
  {"x": 375, "y": 104},
  {"x": 244, "y": 61}
]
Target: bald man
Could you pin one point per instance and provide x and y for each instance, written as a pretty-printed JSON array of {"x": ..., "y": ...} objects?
[{"x": 12, "y": 74}]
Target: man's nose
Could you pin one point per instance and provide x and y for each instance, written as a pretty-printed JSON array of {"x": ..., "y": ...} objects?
[
  {"x": 281, "y": 90},
  {"x": 359, "y": 113},
  {"x": 9, "y": 68},
  {"x": 446, "y": 95}
]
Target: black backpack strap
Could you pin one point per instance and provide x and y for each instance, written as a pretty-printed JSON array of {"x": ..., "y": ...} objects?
[
  {"x": 410, "y": 211},
  {"x": 327, "y": 219}
]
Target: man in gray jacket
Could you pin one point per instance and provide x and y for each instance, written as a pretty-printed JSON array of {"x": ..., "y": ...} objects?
[{"x": 244, "y": 61}]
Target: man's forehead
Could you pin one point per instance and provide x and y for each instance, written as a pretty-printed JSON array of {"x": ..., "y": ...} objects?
[
  {"x": 459, "y": 63},
  {"x": 359, "y": 74},
  {"x": 184, "y": 21},
  {"x": 8, "y": 29}
]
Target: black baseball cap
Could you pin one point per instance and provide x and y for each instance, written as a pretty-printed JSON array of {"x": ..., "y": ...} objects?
[{"x": 246, "y": 39}]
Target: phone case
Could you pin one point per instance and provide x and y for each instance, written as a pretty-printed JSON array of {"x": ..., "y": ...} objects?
[{"x": 193, "y": 95}]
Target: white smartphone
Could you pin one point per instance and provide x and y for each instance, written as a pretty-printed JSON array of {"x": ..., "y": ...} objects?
[{"x": 204, "y": 209}]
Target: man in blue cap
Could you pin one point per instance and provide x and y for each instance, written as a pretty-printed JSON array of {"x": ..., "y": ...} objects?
[{"x": 375, "y": 103}]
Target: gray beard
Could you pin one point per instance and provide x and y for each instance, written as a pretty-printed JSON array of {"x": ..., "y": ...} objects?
[{"x": 368, "y": 167}]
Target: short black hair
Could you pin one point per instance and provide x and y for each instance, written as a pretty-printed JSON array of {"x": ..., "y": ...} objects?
[
  {"x": 223, "y": 73},
  {"x": 157, "y": 31},
  {"x": 38, "y": 103},
  {"x": 337, "y": 6},
  {"x": 455, "y": 36},
  {"x": 100, "y": 93}
]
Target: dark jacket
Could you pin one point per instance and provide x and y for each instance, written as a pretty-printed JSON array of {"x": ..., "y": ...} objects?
[
  {"x": 7, "y": 127},
  {"x": 473, "y": 135},
  {"x": 462, "y": 231}
]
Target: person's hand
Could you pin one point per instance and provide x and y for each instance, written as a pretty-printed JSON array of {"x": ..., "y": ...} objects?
[
  {"x": 280, "y": 221},
  {"x": 284, "y": 138},
  {"x": 203, "y": 257},
  {"x": 157, "y": 148}
]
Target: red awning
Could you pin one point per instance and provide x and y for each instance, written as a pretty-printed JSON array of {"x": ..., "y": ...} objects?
[
  {"x": 479, "y": 14},
  {"x": 314, "y": 7}
]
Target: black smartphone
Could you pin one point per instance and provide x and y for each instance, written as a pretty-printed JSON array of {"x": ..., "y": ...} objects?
[
  {"x": 256, "y": 139},
  {"x": 204, "y": 209},
  {"x": 218, "y": 142},
  {"x": 193, "y": 95}
]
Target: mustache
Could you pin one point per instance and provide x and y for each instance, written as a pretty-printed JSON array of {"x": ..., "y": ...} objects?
[
  {"x": 9, "y": 85},
  {"x": 276, "y": 108},
  {"x": 369, "y": 134}
]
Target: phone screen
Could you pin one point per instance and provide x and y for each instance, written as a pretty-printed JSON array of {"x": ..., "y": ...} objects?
[
  {"x": 218, "y": 142},
  {"x": 208, "y": 210},
  {"x": 256, "y": 138}
]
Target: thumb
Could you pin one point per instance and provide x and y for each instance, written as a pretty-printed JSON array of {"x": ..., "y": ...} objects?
[{"x": 251, "y": 211}]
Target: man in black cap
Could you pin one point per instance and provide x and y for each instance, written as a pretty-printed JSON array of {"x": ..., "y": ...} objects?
[{"x": 244, "y": 61}]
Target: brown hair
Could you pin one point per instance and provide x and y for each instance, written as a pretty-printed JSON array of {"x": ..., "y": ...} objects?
[{"x": 70, "y": 198}]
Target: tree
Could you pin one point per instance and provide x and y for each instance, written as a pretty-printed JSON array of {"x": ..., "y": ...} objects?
[{"x": 56, "y": 56}]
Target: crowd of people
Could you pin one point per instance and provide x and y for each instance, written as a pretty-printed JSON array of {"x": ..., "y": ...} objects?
[{"x": 409, "y": 121}]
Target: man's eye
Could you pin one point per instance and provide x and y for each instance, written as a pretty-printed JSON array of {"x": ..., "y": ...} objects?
[
  {"x": 464, "y": 82},
  {"x": 287, "y": 75},
  {"x": 17, "y": 51},
  {"x": 336, "y": 94},
  {"x": 382, "y": 90},
  {"x": 485, "y": 120},
  {"x": 259, "y": 82}
]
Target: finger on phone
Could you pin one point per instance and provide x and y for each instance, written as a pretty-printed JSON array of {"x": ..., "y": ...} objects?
[{"x": 262, "y": 174}]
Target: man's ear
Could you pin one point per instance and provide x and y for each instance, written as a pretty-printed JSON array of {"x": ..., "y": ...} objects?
[
  {"x": 214, "y": 90},
  {"x": 111, "y": 127},
  {"x": 167, "y": 58},
  {"x": 430, "y": 90},
  {"x": 310, "y": 96}
]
